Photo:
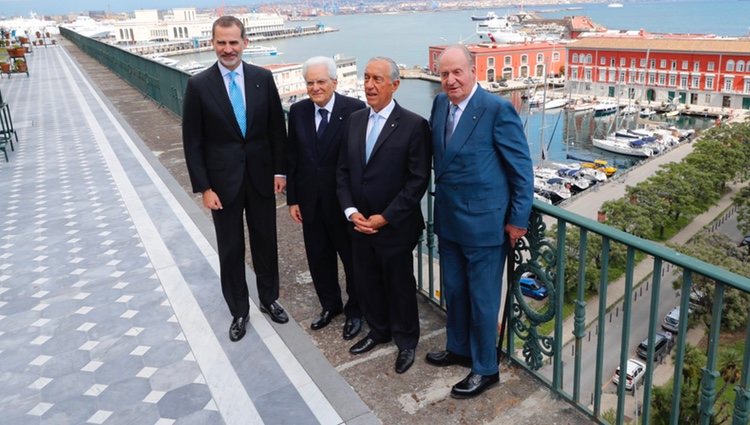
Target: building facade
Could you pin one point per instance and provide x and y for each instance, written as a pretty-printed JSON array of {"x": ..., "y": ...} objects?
[
  {"x": 291, "y": 83},
  {"x": 495, "y": 62},
  {"x": 185, "y": 24},
  {"x": 665, "y": 69}
]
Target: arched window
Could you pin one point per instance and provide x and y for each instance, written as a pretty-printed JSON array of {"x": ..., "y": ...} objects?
[
  {"x": 490, "y": 62},
  {"x": 740, "y": 67},
  {"x": 575, "y": 58},
  {"x": 730, "y": 65},
  {"x": 508, "y": 73},
  {"x": 491, "y": 75},
  {"x": 524, "y": 58},
  {"x": 589, "y": 59},
  {"x": 539, "y": 57}
]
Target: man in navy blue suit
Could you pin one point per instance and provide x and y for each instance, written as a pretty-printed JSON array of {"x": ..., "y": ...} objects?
[
  {"x": 483, "y": 194},
  {"x": 315, "y": 132}
]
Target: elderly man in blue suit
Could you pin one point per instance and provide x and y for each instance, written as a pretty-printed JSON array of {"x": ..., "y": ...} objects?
[{"x": 483, "y": 196}]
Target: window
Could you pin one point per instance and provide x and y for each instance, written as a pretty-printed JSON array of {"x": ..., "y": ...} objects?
[
  {"x": 602, "y": 75},
  {"x": 643, "y": 63},
  {"x": 663, "y": 63},
  {"x": 556, "y": 57},
  {"x": 574, "y": 74},
  {"x": 631, "y": 77},
  {"x": 611, "y": 76},
  {"x": 434, "y": 56},
  {"x": 672, "y": 80},
  {"x": 603, "y": 60},
  {"x": 587, "y": 75},
  {"x": 662, "y": 79},
  {"x": 589, "y": 58},
  {"x": 696, "y": 66},
  {"x": 709, "y": 83},
  {"x": 524, "y": 58},
  {"x": 728, "y": 84},
  {"x": 641, "y": 77},
  {"x": 632, "y": 62},
  {"x": 612, "y": 62},
  {"x": 490, "y": 62},
  {"x": 730, "y": 65},
  {"x": 575, "y": 58},
  {"x": 622, "y": 62},
  {"x": 685, "y": 65},
  {"x": 673, "y": 66},
  {"x": 652, "y": 64},
  {"x": 539, "y": 57},
  {"x": 696, "y": 82},
  {"x": 622, "y": 76},
  {"x": 508, "y": 59},
  {"x": 710, "y": 66},
  {"x": 683, "y": 81},
  {"x": 740, "y": 66},
  {"x": 708, "y": 99},
  {"x": 747, "y": 86},
  {"x": 651, "y": 79}
]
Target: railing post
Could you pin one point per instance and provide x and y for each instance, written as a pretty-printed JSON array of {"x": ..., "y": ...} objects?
[
  {"x": 741, "y": 414},
  {"x": 624, "y": 343},
  {"x": 560, "y": 289},
  {"x": 687, "y": 277},
  {"x": 656, "y": 288},
  {"x": 601, "y": 326},
  {"x": 579, "y": 329},
  {"x": 708, "y": 381}
]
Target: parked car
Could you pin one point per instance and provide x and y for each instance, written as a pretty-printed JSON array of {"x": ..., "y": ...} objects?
[
  {"x": 532, "y": 287},
  {"x": 662, "y": 346},
  {"x": 635, "y": 373},
  {"x": 672, "y": 320}
]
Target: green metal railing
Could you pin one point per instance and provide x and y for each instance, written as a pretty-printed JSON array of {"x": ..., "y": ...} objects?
[
  {"x": 163, "y": 84},
  {"x": 541, "y": 252}
]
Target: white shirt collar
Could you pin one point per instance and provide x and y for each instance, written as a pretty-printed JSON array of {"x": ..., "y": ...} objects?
[
  {"x": 328, "y": 106},
  {"x": 240, "y": 70},
  {"x": 385, "y": 112},
  {"x": 462, "y": 105}
]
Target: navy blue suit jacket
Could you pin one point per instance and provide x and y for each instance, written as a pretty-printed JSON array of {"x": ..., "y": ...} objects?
[{"x": 483, "y": 177}]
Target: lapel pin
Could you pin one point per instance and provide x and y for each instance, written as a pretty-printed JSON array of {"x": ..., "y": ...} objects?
[
  {"x": 474, "y": 117},
  {"x": 341, "y": 118},
  {"x": 393, "y": 125},
  {"x": 257, "y": 86}
]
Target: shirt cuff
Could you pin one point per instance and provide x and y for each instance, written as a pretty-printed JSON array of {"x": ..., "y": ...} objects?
[
  {"x": 349, "y": 211},
  {"x": 280, "y": 175}
]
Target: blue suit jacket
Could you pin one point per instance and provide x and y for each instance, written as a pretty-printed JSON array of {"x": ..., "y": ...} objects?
[{"x": 483, "y": 177}]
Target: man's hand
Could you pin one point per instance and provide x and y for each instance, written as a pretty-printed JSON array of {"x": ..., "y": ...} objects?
[
  {"x": 279, "y": 184},
  {"x": 361, "y": 224},
  {"x": 514, "y": 233},
  {"x": 211, "y": 200},
  {"x": 295, "y": 213},
  {"x": 376, "y": 221}
]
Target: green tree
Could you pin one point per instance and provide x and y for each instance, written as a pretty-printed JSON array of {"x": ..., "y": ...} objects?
[
  {"x": 628, "y": 217},
  {"x": 742, "y": 201}
]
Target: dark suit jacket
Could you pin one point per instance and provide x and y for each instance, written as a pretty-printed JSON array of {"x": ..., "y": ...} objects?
[
  {"x": 216, "y": 153},
  {"x": 311, "y": 173},
  {"x": 483, "y": 177},
  {"x": 393, "y": 182}
]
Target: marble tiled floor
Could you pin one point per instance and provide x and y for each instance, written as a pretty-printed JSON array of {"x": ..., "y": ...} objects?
[{"x": 110, "y": 306}]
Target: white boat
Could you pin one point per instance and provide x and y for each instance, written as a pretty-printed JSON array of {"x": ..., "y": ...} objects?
[
  {"x": 580, "y": 106},
  {"x": 191, "y": 67},
  {"x": 615, "y": 5},
  {"x": 88, "y": 27},
  {"x": 499, "y": 30},
  {"x": 259, "y": 50},
  {"x": 163, "y": 60},
  {"x": 646, "y": 112},
  {"x": 624, "y": 148},
  {"x": 487, "y": 17},
  {"x": 553, "y": 189},
  {"x": 605, "y": 108},
  {"x": 629, "y": 110},
  {"x": 555, "y": 103}
]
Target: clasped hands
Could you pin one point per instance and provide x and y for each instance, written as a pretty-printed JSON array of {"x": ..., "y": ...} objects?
[{"x": 370, "y": 225}]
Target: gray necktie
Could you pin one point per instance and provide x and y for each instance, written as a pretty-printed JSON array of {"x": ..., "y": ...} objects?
[
  {"x": 450, "y": 123},
  {"x": 372, "y": 137},
  {"x": 323, "y": 122}
]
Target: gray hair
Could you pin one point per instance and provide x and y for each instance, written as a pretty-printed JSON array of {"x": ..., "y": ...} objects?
[
  {"x": 463, "y": 49},
  {"x": 395, "y": 75},
  {"x": 321, "y": 60}
]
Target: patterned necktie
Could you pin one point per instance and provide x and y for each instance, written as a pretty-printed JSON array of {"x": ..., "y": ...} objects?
[
  {"x": 238, "y": 104},
  {"x": 372, "y": 137},
  {"x": 450, "y": 123},
  {"x": 323, "y": 122}
]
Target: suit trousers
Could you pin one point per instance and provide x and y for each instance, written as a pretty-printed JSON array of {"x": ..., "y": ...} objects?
[
  {"x": 260, "y": 213},
  {"x": 472, "y": 285},
  {"x": 327, "y": 234},
  {"x": 387, "y": 290}
]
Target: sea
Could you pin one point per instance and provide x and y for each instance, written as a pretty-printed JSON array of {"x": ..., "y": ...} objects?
[{"x": 405, "y": 37}]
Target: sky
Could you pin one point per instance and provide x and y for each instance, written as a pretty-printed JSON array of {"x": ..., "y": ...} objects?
[{"x": 10, "y": 8}]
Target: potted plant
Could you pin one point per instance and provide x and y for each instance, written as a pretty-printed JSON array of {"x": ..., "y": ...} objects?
[{"x": 5, "y": 68}]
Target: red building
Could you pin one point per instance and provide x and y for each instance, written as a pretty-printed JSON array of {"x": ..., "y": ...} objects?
[
  {"x": 694, "y": 70},
  {"x": 498, "y": 61}
]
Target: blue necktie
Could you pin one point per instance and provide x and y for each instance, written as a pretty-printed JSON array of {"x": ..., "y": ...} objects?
[
  {"x": 238, "y": 103},
  {"x": 450, "y": 123},
  {"x": 372, "y": 137},
  {"x": 323, "y": 122}
]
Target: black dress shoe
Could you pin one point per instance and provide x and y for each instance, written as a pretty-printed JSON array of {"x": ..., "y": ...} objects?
[
  {"x": 237, "y": 328},
  {"x": 276, "y": 311},
  {"x": 404, "y": 360},
  {"x": 446, "y": 358},
  {"x": 473, "y": 385},
  {"x": 352, "y": 327},
  {"x": 324, "y": 319},
  {"x": 364, "y": 345}
]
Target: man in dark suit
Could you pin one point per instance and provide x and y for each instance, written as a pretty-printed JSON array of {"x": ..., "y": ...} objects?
[
  {"x": 483, "y": 194},
  {"x": 233, "y": 133},
  {"x": 384, "y": 168},
  {"x": 315, "y": 131}
]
